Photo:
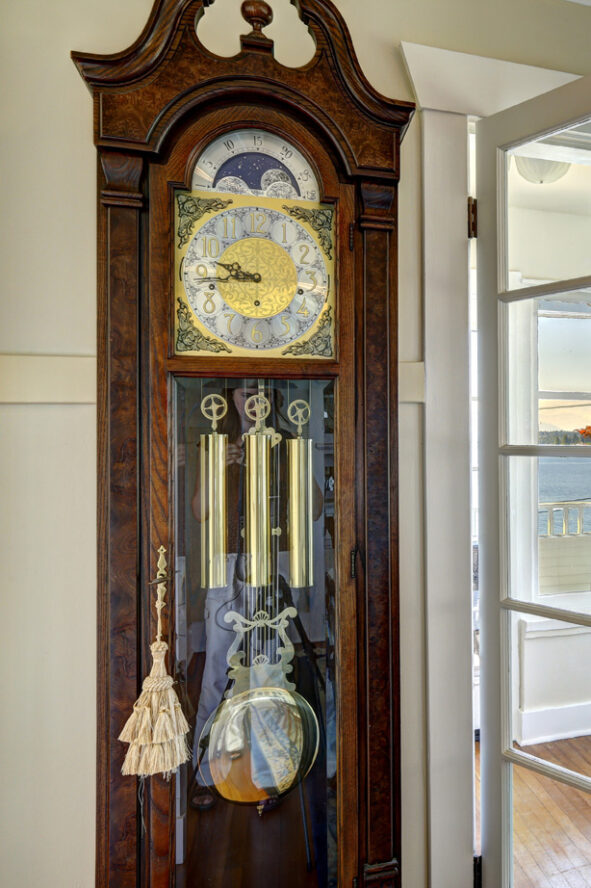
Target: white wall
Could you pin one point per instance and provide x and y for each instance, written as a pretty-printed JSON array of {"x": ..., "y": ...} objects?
[
  {"x": 547, "y": 246},
  {"x": 47, "y": 450},
  {"x": 554, "y": 684}
]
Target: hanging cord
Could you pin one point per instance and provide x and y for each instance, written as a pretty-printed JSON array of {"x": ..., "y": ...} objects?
[{"x": 140, "y": 798}]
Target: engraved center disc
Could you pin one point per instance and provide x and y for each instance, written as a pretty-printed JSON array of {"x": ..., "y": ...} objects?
[{"x": 278, "y": 278}]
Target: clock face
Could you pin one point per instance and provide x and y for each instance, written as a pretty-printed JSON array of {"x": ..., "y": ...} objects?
[
  {"x": 253, "y": 161},
  {"x": 254, "y": 275}
]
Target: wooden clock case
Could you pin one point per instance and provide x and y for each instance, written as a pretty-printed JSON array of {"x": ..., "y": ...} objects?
[{"x": 156, "y": 105}]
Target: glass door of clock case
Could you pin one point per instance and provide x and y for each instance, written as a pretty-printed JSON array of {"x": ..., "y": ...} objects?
[{"x": 255, "y": 477}]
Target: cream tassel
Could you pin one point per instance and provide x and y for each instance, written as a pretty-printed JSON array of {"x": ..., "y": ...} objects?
[{"x": 156, "y": 730}]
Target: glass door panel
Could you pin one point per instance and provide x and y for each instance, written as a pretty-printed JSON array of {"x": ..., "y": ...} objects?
[
  {"x": 548, "y": 368},
  {"x": 549, "y": 208},
  {"x": 255, "y": 515},
  {"x": 551, "y": 690},
  {"x": 551, "y": 831},
  {"x": 549, "y": 530}
]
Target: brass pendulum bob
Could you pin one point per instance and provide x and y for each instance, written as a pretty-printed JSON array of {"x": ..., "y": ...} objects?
[{"x": 212, "y": 464}]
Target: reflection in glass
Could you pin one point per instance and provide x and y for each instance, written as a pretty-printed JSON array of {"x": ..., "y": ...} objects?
[
  {"x": 256, "y": 653},
  {"x": 548, "y": 379},
  {"x": 549, "y": 208},
  {"x": 549, "y": 531}
]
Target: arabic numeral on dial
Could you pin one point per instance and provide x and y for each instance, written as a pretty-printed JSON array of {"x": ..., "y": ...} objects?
[
  {"x": 255, "y": 334},
  {"x": 304, "y": 250},
  {"x": 302, "y": 310},
  {"x": 229, "y": 145},
  {"x": 210, "y": 246},
  {"x": 312, "y": 277},
  {"x": 258, "y": 222},
  {"x": 229, "y": 315},
  {"x": 201, "y": 270},
  {"x": 209, "y": 304},
  {"x": 285, "y": 324},
  {"x": 230, "y": 226},
  {"x": 286, "y": 153},
  {"x": 257, "y": 141}
]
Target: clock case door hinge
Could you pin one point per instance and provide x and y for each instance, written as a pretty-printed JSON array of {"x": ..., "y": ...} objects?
[{"x": 472, "y": 217}]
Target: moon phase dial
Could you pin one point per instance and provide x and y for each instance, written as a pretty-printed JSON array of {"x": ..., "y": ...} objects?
[
  {"x": 255, "y": 277},
  {"x": 256, "y": 162}
]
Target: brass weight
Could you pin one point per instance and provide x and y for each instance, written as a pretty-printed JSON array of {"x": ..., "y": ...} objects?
[
  {"x": 213, "y": 496},
  {"x": 300, "y": 512}
]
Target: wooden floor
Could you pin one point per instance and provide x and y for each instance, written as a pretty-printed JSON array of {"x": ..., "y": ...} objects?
[{"x": 551, "y": 821}]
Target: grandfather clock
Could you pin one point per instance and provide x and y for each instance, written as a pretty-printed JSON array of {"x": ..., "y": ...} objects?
[{"x": 248, "y": 424}]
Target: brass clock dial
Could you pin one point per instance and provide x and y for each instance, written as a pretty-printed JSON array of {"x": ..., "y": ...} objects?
[{"x": 254, "y": 276}]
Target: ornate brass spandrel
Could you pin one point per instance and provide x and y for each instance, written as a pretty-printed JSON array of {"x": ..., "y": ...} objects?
[
  {"x": 320, "y": 221},
  {"x": 320, "y": 343},
  {"x": 191, "y": 209},
  {"x": 189, "y": 338}
]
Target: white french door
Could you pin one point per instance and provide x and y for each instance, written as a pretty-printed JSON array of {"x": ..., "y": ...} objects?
[{"x": 534, "y": 285}]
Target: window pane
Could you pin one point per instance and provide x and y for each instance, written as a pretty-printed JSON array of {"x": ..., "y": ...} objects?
[
  {"x": 551, "y": 832},
  {"x": 549, "y": 531},
  {"x": 254, "y": 630},
  {"x": 551, "y": 690},
  {"x": 548, "y": 369},
  {"x": 549, "y": 208}
]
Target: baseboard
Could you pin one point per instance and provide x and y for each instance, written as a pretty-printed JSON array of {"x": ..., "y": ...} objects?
[{"x": 554, "y": 723}]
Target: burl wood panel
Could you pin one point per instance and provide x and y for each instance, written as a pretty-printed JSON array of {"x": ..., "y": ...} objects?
[
  {"x": 171, "y": 72},
  {"x": 380, "y": 555},
  {"x": 118, "y": 291}
]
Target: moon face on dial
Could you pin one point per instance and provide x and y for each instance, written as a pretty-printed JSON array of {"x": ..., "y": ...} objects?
[
  {"x": 255, "y": 277},
  {"x": 254, "y": 161}
]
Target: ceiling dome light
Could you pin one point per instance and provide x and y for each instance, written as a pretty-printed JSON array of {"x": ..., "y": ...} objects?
[{"x": 541, "y": 171}]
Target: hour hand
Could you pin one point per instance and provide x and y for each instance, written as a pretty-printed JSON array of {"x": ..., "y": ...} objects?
[{"x": 237, "y": 273}]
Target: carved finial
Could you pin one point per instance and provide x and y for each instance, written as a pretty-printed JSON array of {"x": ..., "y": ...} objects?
[{"x": 258, "y": 14}]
